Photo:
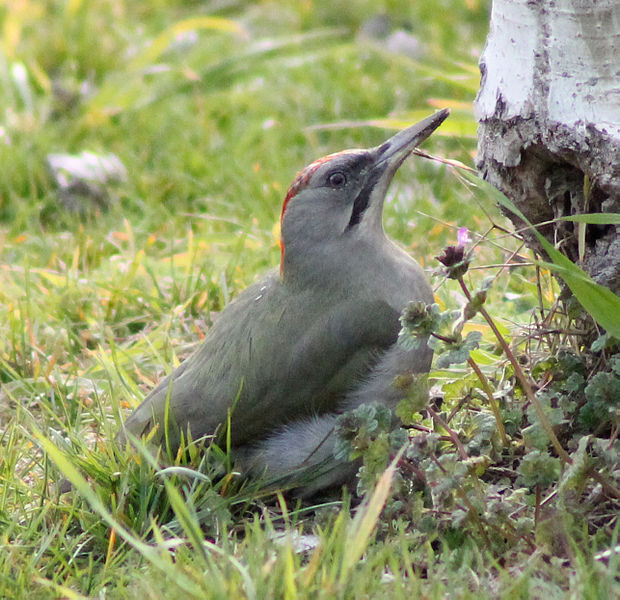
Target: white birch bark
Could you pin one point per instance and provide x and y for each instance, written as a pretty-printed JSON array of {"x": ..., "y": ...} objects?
[{"x": 549, "y": 120}]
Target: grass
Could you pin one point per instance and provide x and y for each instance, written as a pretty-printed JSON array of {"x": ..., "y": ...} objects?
[{"x": 212, "y": 108}]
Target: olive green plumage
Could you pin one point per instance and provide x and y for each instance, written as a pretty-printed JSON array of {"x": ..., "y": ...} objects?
[{"x": 312, "y": 339}]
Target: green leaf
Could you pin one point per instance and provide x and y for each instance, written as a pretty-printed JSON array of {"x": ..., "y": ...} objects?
[
  {"x": 604, "y": 341},
  {"x": 594, "y": 218},
  {"x": 416, "y": 399},
  {"x": 538, "y": 468},
  {"x": 458, "y": 352}
]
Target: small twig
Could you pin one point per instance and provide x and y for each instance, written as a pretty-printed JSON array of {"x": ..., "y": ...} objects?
[
  {"x": 506, "y": 265},
  {"x": 444, "y": 338},
  {"x": 612, "y": 438},
  {"x": 492, "y": 402},
  {"x": 539, "y": 293},
  {"x": 537, "y": 507},
  {"x": 419, "y": 427},
  {"x": 457, "y": 408},
  {"x": 453, "y": 436},
  {"x": 609, "y": 488},
  {"x": 439, "y": 465},
  {"x": 473, "y": 513},
  {"x": 550, "y": 497},
  {"x": 419, "y": 473},
  {"x": 514, "y": 254}
]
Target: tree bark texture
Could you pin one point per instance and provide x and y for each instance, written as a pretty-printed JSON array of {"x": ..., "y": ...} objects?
[{"x": 549, "y": 121}]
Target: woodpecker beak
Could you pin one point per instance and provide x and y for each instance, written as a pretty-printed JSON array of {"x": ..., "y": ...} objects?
[
  {"x": 398, "y": 147},
  {"x": 386, "y": 159}
]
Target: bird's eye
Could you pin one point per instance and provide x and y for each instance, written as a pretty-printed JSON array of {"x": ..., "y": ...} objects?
[{"x": 337, "y": 179}]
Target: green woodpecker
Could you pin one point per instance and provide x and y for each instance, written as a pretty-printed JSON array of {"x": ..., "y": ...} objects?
[{"x": 312, "y": 338}]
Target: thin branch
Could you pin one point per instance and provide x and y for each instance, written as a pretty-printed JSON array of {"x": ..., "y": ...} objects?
[
  {"x": 453, "y": 435},
  {"x": 492, "y": 402}
]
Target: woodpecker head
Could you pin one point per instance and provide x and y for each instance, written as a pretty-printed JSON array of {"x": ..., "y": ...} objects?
[{"x": 339, "y": 198}]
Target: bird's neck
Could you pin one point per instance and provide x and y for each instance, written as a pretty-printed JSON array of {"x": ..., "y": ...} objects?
[{"x": 335, "y": 263}]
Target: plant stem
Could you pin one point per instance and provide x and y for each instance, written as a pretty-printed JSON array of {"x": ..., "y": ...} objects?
[
  {"x": 492, "y": 402},
  {"x": 609, "y": 488},
  {"x": 453, "y": 436},
  {"x": 525, "y": 384}
]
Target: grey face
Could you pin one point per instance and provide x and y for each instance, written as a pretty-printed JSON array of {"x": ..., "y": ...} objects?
[
  {"x": 329, "y": 199},
  {"x": 344, "y": 180},
  {"x": 341, "y": 195}
]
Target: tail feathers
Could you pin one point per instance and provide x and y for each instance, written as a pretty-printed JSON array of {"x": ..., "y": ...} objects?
[{"x": 303, "y": 453}]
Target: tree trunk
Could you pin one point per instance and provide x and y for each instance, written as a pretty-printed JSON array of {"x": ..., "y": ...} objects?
[{"x": 549, "y": 121}]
